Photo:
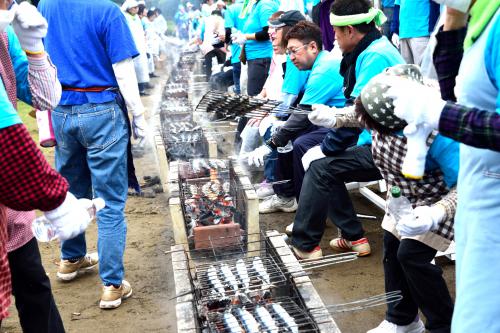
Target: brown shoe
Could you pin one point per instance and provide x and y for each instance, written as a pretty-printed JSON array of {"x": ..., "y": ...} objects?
[
  {"x": 112, "y": 297},
  {"x": 69, "y": 270}
]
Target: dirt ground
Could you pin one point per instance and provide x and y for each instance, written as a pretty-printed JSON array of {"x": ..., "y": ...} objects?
[{"x": 148, "y": 269}]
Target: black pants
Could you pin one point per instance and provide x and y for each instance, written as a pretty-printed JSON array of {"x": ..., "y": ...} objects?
[
  {"x": 221, "y": 57},
  {"x": 258, "y": 70},
  {"x": 289, "y": 165},
  {"x": 31, "y": 288},
  {"x": 324, "y": 194},
  {"x": 407, "y": 267}
]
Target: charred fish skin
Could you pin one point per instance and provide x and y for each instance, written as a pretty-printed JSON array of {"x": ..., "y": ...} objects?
[
  {"x": 247, "y": 320},
  {"x": 266, "y": 320},
  {"x": 287, "y": 321},
  {"x": 258, "y": 267},
  {"x": 231, "y": 323}
]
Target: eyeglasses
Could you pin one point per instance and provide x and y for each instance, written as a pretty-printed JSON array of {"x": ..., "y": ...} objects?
[{"x": 294, "y": 52}]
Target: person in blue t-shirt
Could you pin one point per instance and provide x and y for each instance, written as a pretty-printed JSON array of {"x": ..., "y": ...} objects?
[
  {"x": 256, "y": 43},
  {"x": 332, "y": 163},
  {"x": 388, "y": 9},
  {"x": 233, "y": 21},
  {"x": 413, "y": 22},
  {"x": 95, "y": 68}
]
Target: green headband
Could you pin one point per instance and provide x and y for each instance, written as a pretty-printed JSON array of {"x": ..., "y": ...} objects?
[{"x": 373, "y": 14}]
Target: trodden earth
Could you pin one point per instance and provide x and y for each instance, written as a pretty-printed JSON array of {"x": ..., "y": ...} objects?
[{"x": 149, "y": 270}]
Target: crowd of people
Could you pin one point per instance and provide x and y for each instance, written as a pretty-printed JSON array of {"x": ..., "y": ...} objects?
[
  {"x": 355, "y": 106},
  {"x": 368, "y": 112}
]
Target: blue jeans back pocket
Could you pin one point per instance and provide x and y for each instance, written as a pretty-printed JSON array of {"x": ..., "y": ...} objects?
[{"x": 98, "y": 126}]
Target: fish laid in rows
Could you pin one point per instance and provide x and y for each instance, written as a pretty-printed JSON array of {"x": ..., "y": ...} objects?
[
  {"x": 247, "y": 320},
  {"x": 231, "y": 324},
  {"x": 229, "y": 277},
  {"x": 260, "y": 270},
  {"x": 242, "y": 273},
  {"x": 286, "y": 322},
  {"x": 265, "y": 319},
  {"x": 214, "y": 280}
]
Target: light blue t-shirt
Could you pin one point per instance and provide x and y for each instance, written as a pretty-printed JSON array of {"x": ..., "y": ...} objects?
[
  {"x": 8, "y": 114},
  {"x": 492, "y": 58},
  {"x": 295, "y": 79},
  {"x": 325, "y": 84},
  {"x": 379, "y": 55},
  {"x": 413, "y": 18},
  {"x": 84, "y": 44},
  {"x": 444, "y": 154},
  {"x": 232, "y": 20},
  {"x": 254, "y": 22},
  {"x": 388, "y": 4}
]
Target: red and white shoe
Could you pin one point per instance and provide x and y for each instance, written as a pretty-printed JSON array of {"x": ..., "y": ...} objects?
[
  {"x": 316, "y": 253},
  {"x": 361, "y": 246}
]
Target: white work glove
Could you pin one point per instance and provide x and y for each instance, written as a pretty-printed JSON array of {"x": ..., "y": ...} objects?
[
  {"x": 395, "y": 40},
  {"x": 415, "y": 102},
  {"x": 427, "y": 218},
  {"x": 71, "y": 218},
  {"x": 139, "y": 128},
  {"x": 215, "y": 39},
  {"x": 323, "y": 115},
  {"x": 416, "y": 154},
  {"x": 256, "y": 157},
  {"x": 30, "y": 27},
  {"x": 312, "y": 155},
  {"x": 238, "y": 38}
]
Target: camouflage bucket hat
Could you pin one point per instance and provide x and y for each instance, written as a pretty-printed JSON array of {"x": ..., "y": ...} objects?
[{"x": 375, "y": 100}]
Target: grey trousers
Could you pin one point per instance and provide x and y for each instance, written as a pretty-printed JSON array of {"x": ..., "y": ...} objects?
[{"x": 412, "y": 49}]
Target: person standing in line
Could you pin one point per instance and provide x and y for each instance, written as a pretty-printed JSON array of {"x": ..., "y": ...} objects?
[
  {"x": 96, "y": 70},
  {"x": 232, "y": 21}
]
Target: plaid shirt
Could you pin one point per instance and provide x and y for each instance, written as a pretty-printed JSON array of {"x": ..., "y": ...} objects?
[
  {"x": 388, "y": 154},
  {"x": 474, "y": 127}
]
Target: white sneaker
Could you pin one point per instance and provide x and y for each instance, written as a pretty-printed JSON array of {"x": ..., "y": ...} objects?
[
  {"x": 276, "y": 203},
  {"x": 265, "y": 190},
  {"x": 388, "y": 327},
  {"x": 289, "y": 229}
]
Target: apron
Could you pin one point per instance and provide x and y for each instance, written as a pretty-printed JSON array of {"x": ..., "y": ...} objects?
[{"x": 477, "y": 307}]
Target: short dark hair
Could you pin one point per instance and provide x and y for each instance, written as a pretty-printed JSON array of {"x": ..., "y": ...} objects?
[
  {"x": 151, "y": 12},
  {"x": 367, "y": 121},
  {"x": 217, "y": 13},
  {"x": 141, "y": 9},
  {"x": 306, "y": 32},
  {"x": 353, "y": 7}
]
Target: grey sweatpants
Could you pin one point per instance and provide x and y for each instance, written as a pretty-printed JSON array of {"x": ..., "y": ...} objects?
[{"x": 412, "y": 49}]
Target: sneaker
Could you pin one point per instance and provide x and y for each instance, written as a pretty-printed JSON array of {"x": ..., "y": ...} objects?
[
  {"x": 289, "y": 229},
  {"x": 276, "y": 203},
  {"x": 69, "y": 270},
  {"x": 361, "y": 246},
  {"x": 112, "y": 297},
  {"x": 316, "y": 253},
  {"x": 265, "y": 190},
  {"x": 388, "y": 327}
]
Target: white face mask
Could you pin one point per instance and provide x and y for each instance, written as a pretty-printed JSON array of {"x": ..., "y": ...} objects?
[
  {"x": 460, "y": 5},
  {"x": 7, "y": 16}
]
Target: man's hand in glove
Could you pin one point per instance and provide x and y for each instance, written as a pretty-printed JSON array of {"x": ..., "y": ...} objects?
[
  {"x": 30, "y": 27},
  {"x": 427, "y": 218},
  {"x": 71, "y": 218},
  {"x": 140, "y": 127},
  {"x": 313, "y": 154},
  {"x": 415, "y": 102},
  {"x": 239, "y": 38},
  {"x": 323, "y": 115},
  {"x": 256, "y": 157}
]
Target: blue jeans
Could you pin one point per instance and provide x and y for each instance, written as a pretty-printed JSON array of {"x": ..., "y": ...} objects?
[
  {"x": 91, "y": 153},
  {"x": 270, "y": 161},
  {"x": 236, "y": 77}
]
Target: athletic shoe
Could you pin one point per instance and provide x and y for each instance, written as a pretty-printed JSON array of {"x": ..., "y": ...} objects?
[
  {"x": 289, "y": 229},
  {"x": 361, "y": 246},
  {"x": 265, "y": 190},
  {"x": 112, "y": 297},
  {"x": 388, "y": 327},
  {"x": 69, "y": 270},
  {"x": 316, "y": 253},
  {"x": 276, "y": 203}
]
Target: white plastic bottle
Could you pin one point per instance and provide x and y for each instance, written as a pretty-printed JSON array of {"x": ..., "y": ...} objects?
[
  {"x": 398, "y": 206},
  {"x": 45, "y": 231}
]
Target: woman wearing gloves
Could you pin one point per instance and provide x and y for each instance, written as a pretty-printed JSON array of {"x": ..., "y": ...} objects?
[
  {"x": 474, "y": 121},
  {"x": 92, "y": 127},
  {"x": 409, "y": 251},
  {"x": 27, "y": 181}
]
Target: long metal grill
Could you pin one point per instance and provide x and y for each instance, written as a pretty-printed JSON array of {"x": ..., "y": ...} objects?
[{"x": 225, "y": 105}]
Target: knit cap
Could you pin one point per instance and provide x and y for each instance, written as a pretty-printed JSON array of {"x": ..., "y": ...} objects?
[{"x": 375, "y": 100}]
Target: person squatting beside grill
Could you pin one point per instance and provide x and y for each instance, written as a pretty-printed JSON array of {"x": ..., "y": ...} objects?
[{"x": 323, "y": 193}]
